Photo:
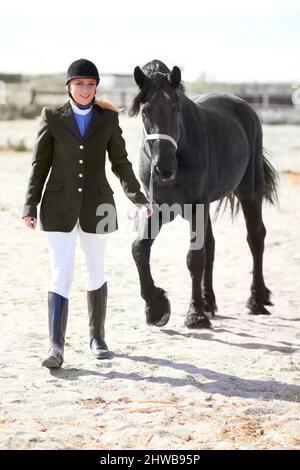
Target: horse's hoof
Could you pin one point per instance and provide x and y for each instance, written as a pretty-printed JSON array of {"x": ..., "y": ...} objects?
[
  {"x": 196, "y": 321},
  {"x": 163, "y": 321},
  {"x": 258, "y": 310},
  {"x": 257, "y": 307},
  {"x": 264, "y": 299},
  {"x": 158, "y": 309},
  {"x": 196, "y": 318}
]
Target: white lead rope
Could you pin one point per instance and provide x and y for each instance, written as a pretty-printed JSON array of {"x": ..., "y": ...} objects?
[{"x": 151, "y": 185}]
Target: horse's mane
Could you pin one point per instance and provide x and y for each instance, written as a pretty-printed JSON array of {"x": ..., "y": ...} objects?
[{"x": 158, "y": 72}]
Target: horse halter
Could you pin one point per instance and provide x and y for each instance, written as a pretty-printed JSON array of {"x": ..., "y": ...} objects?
[
  {"x": 154, "y": 137},
  {"x": 158, "y": 136}
]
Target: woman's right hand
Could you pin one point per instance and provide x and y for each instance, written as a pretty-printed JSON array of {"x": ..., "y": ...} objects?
[{"x": 30, "y": 222}]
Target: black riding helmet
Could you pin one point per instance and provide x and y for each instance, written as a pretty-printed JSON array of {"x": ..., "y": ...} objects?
[{"x": 82, "y": 68}]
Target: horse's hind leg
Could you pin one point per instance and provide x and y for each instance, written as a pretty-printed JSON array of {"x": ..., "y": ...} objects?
[
  {"x": 256, "y": 232},
  {"x": 157, "y": 304},
  {"x": 210, "y": 305}
]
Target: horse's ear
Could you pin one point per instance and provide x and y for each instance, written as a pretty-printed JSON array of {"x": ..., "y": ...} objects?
[
  {"x": 174, "y": 76},
  {"x": 140, "y": 78}
]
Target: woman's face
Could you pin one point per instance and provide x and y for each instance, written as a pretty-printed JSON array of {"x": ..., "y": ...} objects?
[{"x": 83, "y": 90}]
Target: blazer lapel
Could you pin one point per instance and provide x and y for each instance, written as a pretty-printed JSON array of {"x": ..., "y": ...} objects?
[
  {"x": 98, "y": 118},
  {"x": 67, "y": 116}
]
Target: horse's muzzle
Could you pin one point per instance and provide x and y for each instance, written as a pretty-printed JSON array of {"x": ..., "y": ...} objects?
[{"x": 164, "y": 176}]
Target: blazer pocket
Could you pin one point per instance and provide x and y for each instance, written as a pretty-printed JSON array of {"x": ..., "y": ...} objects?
[
  {"x": 104, "y": 188},
  {"x": 54, "y": 186}
]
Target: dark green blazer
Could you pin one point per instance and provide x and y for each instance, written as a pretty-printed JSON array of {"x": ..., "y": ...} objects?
[{"x": 77, "y": 184}]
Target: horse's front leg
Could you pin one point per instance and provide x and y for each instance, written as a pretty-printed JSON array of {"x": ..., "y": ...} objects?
[
  {"x": 157, "y": 308},
  {"x": 196, "y": 317}
]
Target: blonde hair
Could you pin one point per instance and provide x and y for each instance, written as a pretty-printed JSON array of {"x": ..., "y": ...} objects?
[{"x": 108, "y": 105}]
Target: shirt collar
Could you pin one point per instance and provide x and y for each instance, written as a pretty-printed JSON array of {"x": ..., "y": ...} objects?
[{"x": 78, "y": 110}]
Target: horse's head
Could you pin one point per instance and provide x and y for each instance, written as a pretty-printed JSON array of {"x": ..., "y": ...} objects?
[{"x": 159, "y": 102}]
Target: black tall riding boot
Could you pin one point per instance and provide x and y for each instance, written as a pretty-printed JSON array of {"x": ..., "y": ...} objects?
[
  {"x": 57, "y": 319},
  {"x": 97, "y": 301}
]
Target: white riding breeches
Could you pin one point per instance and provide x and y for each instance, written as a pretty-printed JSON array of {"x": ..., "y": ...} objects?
[{"x": 61, "y": 246}]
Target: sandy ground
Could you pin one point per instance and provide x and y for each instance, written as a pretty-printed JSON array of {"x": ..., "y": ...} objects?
[{"x": 236, "y": 386}]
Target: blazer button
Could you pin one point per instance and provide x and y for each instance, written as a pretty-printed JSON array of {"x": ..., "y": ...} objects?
[
  {"x": 81, "y": 147},
  {"x": 80, "y": 189},
  {"x": 80, "y": 175},
  {"x": 80, "y": 161}
]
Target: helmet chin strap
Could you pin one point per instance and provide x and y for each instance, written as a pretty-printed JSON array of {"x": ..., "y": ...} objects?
[{"x": 82, "y": 106}]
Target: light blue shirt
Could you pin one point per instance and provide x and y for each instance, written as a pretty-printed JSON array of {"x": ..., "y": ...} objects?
[
  {"x": 83, "y": 121},
  {"x": 83, "y": 117}
]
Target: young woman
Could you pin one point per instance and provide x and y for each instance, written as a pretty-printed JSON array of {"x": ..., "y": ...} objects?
[{"x": 72, "y": 141}]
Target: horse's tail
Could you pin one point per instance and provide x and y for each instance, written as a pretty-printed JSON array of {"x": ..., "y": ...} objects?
[
  {"x": 271, "y": 181},
  {"x": 230, "y": 200},
  {"x": 270, "y": 190}
]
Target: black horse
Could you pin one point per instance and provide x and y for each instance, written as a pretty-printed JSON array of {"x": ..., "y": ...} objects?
[{"x": 196, "y": 152}]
